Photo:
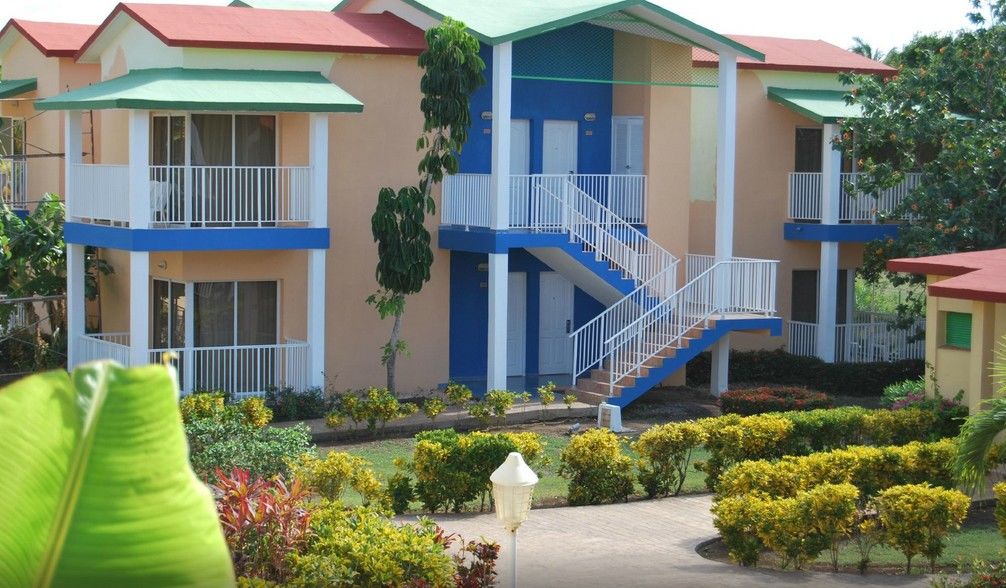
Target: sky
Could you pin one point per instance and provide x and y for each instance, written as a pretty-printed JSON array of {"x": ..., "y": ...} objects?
[{"x": 884, "y": 24}]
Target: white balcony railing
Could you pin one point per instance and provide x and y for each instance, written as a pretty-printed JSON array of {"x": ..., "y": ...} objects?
[
  {"x": 14, "y": 183},
  {"x": 805, "y": 198},
  {"x": 466, "y": 198},
  {"x": 98, "y": 192},
  {"x": 204, "y": 196},
  {"x": 862, "y": 342},
  {"x": 241, "y": 370}
]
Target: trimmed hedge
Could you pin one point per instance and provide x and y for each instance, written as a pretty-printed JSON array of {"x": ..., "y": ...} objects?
[
  {"x": 751, "y": 401},
  {"x": 779, "y": 367}
]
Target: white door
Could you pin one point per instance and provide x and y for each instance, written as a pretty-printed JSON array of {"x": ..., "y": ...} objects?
[
  {"x": 520, "y": 165},
  {"x": 516, "y": 340},
  {"x": 626, "y": 194},
  {"x": 627, "y": 145},
  {"x": 559, "y": 147},
  {"x": 555, "y": 323}
]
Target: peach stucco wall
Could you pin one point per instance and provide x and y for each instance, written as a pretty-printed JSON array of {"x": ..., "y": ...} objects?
[
  {"x": 44, "y": 130},
  {"x": 765, "y": 157},
  {"x": 366, "y": 151}
]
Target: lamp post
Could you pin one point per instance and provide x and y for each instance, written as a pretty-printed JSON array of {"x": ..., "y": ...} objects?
[{"x": 513, "y": 483}]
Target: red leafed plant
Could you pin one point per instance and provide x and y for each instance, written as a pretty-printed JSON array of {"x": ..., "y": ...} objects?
[
  {"x": 263, "y": 521},
  {"x": 752, "y": 401}
]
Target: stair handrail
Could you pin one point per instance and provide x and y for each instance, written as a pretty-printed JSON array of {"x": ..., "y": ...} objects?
[
  {"x": 590, "y": 339},
  {"x": 729, "y": 286},
  {"x": 643, "y": 264},
  {"x": 627, "y": 348}
]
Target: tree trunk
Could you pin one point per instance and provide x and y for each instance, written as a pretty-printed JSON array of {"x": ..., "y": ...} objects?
[{"x": 396, "y": 332}]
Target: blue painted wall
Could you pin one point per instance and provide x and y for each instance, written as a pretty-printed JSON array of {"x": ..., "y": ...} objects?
[
  {"x": 469, "y": 311},
  {"x": 581, "y": 51}
]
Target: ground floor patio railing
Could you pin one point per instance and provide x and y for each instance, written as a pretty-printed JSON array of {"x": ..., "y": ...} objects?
[
  {"x": 240, "y": 370},
  {"x": 862, "y": 342}
]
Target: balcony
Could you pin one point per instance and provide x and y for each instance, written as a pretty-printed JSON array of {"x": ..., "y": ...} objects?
[
  {"x": 14, "y": 183},
  {"x": 854, "y": 207},
  {"x": 536, "y": 200},
  {"x": 869, "y": 339},
  {"x": 241, "y": 370},
  {"x": 194, "y": 196}
]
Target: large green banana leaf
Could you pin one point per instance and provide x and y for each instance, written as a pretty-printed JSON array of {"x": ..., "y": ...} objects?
[{"x": 96, "y": 488}]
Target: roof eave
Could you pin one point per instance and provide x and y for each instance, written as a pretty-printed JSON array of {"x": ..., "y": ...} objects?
[{"x": 137, "y": 104}]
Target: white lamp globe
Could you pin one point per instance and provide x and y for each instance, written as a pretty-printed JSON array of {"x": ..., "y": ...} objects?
[{"x": 513, "y": 483}]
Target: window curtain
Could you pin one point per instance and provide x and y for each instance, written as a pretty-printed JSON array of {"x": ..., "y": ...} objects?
[
  {"x": 256, "y": 318},
  {"x": 214, "y": 320},
  {"x": 159, "y": 330},
  {"x": 211, "y": 139},
  {"x": 255, "y": 140}
]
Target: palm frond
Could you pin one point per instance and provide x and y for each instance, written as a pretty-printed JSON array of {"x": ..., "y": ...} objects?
[{"x": 978, "y": 435}]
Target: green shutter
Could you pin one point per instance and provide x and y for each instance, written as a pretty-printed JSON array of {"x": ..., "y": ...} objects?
[{"x": 959, "y": 329}]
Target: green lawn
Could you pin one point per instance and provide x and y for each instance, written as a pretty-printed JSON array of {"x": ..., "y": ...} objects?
[
  {"x": 978, "y": 542},
  {"x": 551, "y": 489}
]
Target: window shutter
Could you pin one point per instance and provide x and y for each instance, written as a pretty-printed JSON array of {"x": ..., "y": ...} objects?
[{"x": 958, "y": 327}]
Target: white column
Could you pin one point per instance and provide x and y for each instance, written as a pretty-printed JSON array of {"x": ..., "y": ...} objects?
[
  {"x": 499, "y": 191},
  {"x": 827, "y": 285},
  {"x": 498, "y": 291},
  {"x": 139, "y": 169},
  {"x": 719, "y": 380},
  {"x": 726, "y": 158},
  {"x": 75, "y": 310},
  {"x": 139, "y": 307},
  {"x": 73, "y": 150},
  {"x": 316, "y": 263},
  {"x": 188, "y": 356},
  {"x": 499, "y": 195}
]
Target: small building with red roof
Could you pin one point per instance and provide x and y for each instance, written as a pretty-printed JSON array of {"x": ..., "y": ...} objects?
[
  {"x": 965, "y": 319},
  {"x": 37, "y": 60}
]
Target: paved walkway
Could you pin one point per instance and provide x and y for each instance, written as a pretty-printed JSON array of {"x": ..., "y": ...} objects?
[{"x": 646, "y": 543}]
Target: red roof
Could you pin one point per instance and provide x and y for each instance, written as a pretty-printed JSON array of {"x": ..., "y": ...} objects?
[
  {"x": 53, "y": 39},
  {"x": 225, "y": 27},
  {"x": 796, "y": 55},
  {"x": 975, "y": 275}
]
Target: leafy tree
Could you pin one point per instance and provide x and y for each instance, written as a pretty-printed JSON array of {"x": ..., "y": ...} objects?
[
  {"x": 33, "y": 263},
  {"x": 453, "y": 70},
  {"x": 943, "y": 115}
]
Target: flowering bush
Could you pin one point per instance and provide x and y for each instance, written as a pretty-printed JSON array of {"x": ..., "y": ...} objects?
[
  {"x": 764, "y": 399},
  {"x": 732, "y": 439},
  {"x": 293, "y": 405},
  {"x": 376, "y": 407},
  {"x": 1000, "y": 493},
  {"x": 596, "y": 468},
  {"x": 228, "y": 444},
  {"x": 458, "y": 394},
  {"x": 432, "y": 407}
]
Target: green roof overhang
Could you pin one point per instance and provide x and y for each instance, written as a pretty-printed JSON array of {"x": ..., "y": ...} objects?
[
  {"x": 11, "y": 88},
  {"x": 499, "y": 21},
  {"x": 821, "y": 106},
  {"x": 209, "y": 90}
]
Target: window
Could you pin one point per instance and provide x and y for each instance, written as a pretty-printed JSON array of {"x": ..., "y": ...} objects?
[
  {"x": 168, "y": 328},
  {"x": 958, "y": 330},
  {"x": 804, "y": 296},
  {"x": 808, "y": 150},
  {"x": 235, "y": 313}
]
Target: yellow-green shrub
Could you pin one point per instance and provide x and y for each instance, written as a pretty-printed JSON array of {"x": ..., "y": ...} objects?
[
  {"x": 918, "y": 517},
  {"x": 596, "y": 468},
  {"x": 254, "y": 412},
  {"x": 737, "y": 519},
  {"x": 452, "y": 470},
  {"x": 870, "y": 469},
  {"x": 331, "y": 476},
  {"x": 201, "y": 405},
  {"x": 1000, "y": 492},
  {"x": 665, "y": 452},
  {"x": 362, "y": 547},
  {"x": 731, "y": 439},
  {"x": 796, "y": 528},
  {"x": 897, "y": 427}
]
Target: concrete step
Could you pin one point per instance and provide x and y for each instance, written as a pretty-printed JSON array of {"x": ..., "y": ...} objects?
[
  {"x": 603, "y": 376},
  {"x": 588, "y": 385},
  {"x": 591, "y": 398}
]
